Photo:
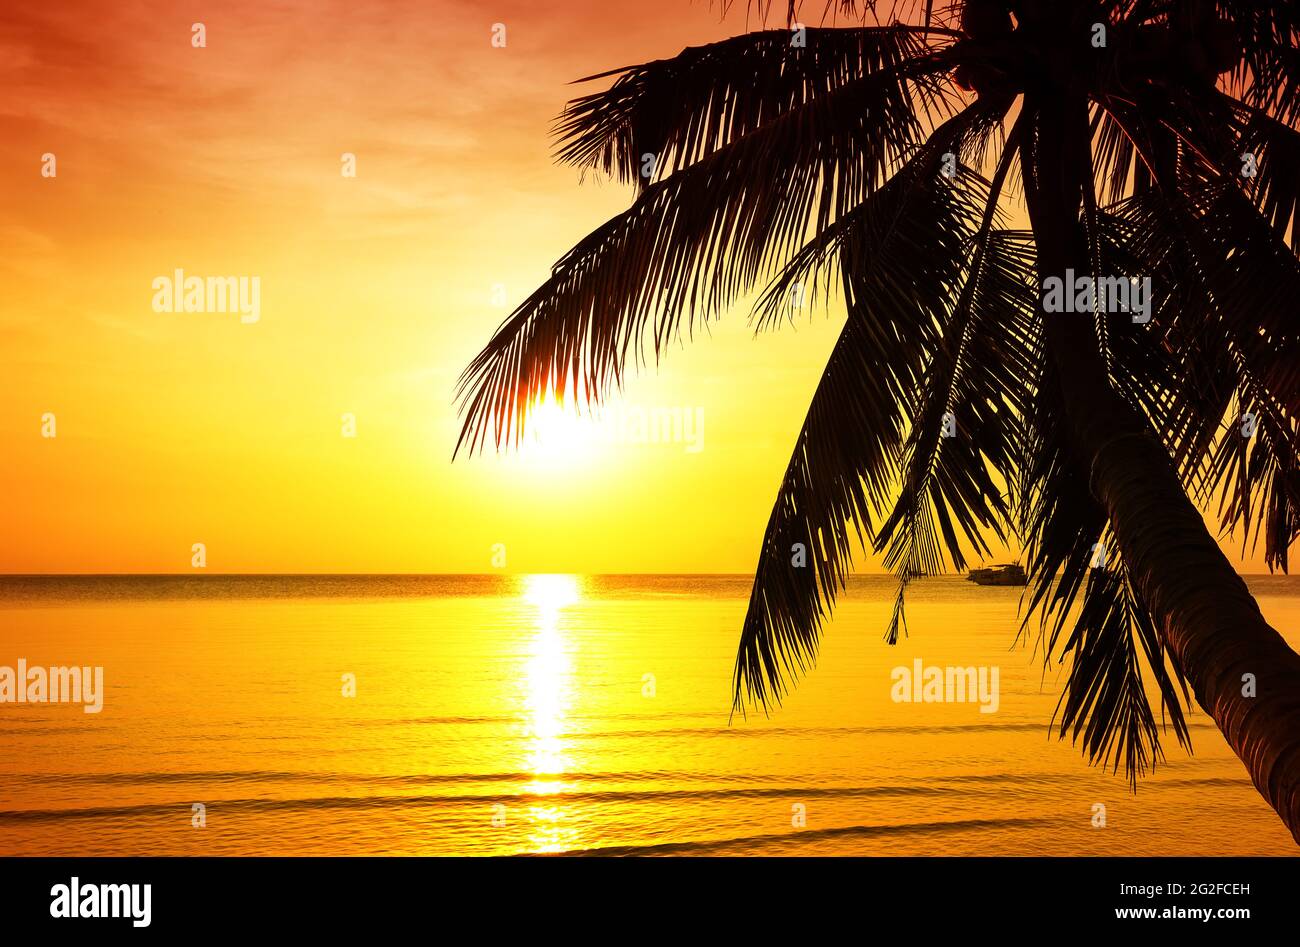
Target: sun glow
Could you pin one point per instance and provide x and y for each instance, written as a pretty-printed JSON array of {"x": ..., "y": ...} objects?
[
  {"x": 550, "y": 593},
  {"x": 556, "y": 435}
]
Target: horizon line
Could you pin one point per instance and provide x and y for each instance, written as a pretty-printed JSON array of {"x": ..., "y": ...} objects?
[{"x": 388, "y": 575}]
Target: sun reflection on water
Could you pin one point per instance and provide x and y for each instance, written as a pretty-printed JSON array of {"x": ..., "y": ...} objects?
[{"x": 549, "y": 689}]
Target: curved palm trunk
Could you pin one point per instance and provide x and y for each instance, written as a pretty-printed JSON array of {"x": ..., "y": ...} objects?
[{"x": 1201, "y": 607}]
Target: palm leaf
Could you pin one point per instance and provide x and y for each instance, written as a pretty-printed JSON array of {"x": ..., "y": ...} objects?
[
  {"x": 1112, "y": 649},
  {"x": 952, "y": 491},
  {"x": 687, "y": 248},
  {"x": 900, "y": 254},
  {"x": 679, "y": 110},
  {"x": 975, "y": 382},
  {"x": 846, "y": 454}
]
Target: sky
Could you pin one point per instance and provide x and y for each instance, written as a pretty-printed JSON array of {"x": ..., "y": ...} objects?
[{"x": 178, "y": 428}]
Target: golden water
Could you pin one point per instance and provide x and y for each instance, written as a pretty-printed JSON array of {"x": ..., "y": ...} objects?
[{"x": 555, "y": 713}]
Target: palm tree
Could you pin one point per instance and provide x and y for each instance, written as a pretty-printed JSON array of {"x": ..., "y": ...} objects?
[{"x": 1150, "y": 140}]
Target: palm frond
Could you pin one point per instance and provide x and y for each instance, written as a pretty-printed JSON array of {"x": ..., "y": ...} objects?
[
  {"x": 1113, "y": 648},
  {"x": 1255, "y": 469},
  {"x": 687, "y": 248},
  {"x": 1060, "y": 519},
  {"x": 884, "y": 11},
  {"x": 1269, "y": 74},
  {"x": 1270, "y": 155},
  {"x": 676, "y": 111},
  {"x": 1120, "y": 168},
  {"x": 897, "y": 272},
  {"x": 900, "y": 255},
  {"x": 974, "y": 387},
  {"x": 953, "y": 491},
  {"x": 811, "y": 274},
  {"x": 1227, "y": 291}
]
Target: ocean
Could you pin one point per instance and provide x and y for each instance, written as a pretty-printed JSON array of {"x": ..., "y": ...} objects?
[{"x": 489, "y": 715}]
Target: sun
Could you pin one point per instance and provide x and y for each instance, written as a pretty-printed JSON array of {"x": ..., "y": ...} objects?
[
  {"x": 556, "y": 435},
  {"x": 550, "y": 593}
]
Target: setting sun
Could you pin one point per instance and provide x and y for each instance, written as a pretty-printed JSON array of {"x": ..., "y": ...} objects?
[
  {"x": 556, "y": 435},
  {"x": 550, "y": 593}
]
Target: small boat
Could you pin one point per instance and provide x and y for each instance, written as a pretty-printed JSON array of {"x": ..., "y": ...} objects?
[{"x": 1007, "y": 574}]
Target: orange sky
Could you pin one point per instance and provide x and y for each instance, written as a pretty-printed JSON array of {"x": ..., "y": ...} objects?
[{"x": 178, "y": 428}]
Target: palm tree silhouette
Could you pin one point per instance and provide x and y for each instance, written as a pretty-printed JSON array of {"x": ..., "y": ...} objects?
[{"x": 1150, "y": 140}]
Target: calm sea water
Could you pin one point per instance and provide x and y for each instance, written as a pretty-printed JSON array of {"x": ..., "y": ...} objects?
[{"x": 561, "y": 714}]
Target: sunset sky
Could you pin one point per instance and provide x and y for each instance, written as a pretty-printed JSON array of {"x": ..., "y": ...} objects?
[{"x": 176, "y": 428}]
